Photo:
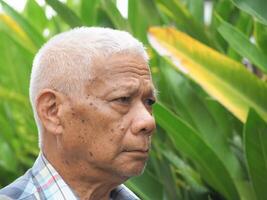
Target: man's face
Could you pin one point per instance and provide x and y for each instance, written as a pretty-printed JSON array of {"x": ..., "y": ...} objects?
[{"x": 110, "y": 126}]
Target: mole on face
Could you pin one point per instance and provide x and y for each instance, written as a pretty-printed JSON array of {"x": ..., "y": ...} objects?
[{"x": 66, "y": 162}]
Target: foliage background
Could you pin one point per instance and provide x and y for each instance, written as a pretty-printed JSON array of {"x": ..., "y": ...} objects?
[{"x": 211, "y": 138}]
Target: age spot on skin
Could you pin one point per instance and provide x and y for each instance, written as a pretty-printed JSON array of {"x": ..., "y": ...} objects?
[
  {"x": 91, "y": 154},
  {"x": 112, "y": 130},
  {"x": 66, "y": 162}
]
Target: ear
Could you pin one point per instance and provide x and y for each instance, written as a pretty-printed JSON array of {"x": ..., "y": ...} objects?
[{"x": 48, "y": 105}]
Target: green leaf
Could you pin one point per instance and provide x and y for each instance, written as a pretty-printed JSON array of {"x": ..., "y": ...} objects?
[
  {"x": 6, "y": 94},
  {"x": 243, "y": 46},
  {"x": 190, "y": 175},
  {"x": 204, "y": 116},
  {"x": 89, "y": 11},
  {"x": 221, "y": 77},
  {"x": 196, "y": 8},
  {"x": 114, "y": 14},
  {"x": 245, "y": 25},
  {"x": 36, "y": 37},
  {"x": 255, "y": 144},
  {"x": 146, "y": 186},
  {"x": 14, "y": 31},
  {"x": 190, "y": 143},
  {"x": 256, "y": 8},
  {"x": 65, "y": 13},
  {"x": 35, "y": 15},
  {"x": 141, "y": 14},
  {"x": 7, "y": 157},
  {"x": 223, "y": 8},
  {"x": 260, "y": 34},
  {"x": 177, "y": 12},
  {"x": 14, "y": 72},
  {"x": 137, "y": 20}
]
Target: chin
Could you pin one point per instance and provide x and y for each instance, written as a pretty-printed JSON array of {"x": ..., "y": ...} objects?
[{"x": 134, "y": 170}]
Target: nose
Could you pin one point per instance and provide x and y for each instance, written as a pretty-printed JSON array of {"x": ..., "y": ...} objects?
[{"x": 143, "y": 121}]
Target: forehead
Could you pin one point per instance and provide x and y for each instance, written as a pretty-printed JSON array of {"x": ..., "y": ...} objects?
[
  {"x": 126, "y": 63},
  {"x": 124, "y": 71}
]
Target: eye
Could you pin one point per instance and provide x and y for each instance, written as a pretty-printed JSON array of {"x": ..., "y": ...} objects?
[
  {"x": 123, "y": 100},
  {"x": 149, "y": 101}
]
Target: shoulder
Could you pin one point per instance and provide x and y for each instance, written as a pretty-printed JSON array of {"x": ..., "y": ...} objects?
[{"x": 22, "y": 188}]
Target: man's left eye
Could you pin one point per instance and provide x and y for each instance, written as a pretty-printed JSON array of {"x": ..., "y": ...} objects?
[{"x": 150, "y": 102}]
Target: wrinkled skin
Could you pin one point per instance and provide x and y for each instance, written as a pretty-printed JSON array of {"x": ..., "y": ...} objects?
[{"x": 102, "y": 137}]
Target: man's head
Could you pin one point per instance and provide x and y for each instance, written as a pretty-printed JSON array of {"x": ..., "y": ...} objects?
[{"x": 92, "y": 96}]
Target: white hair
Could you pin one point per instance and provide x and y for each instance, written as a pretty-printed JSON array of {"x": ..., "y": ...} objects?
[{"x": 64, "y": 62}]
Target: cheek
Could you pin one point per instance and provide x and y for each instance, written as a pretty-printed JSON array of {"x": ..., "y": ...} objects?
[{"x": 94, "y": 127}]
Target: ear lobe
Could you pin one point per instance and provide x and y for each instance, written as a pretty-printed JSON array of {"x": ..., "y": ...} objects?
[{"x": 48, "y": 105}]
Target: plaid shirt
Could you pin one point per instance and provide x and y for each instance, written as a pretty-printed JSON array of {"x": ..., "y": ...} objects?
[{"x": 42, "y": 182}]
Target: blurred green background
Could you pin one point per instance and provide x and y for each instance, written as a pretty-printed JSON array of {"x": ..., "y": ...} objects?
[{"x": 209, "y": 63}]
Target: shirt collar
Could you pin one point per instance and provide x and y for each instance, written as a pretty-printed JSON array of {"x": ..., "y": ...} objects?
[
  {"x": 51, "y": 185},
  {"x": 49, "y": 182}
]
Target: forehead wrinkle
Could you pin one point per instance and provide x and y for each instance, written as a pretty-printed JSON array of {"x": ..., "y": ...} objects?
[
  {"x": 131, "y": 85},
  {"x": 131, "y": 71}
]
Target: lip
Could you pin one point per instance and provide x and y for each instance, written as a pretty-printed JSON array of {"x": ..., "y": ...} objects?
[{"x": 138, "y": 152}]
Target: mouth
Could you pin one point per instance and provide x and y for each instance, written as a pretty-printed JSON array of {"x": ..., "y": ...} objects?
[{"x": 137, "y": 152}]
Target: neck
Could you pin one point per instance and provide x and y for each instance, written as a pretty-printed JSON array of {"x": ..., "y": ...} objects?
[{"x": 87, "y": 182}]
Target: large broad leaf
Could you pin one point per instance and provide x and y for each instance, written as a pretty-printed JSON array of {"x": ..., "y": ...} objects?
[
  {"x": 242, "y": 45},
  {"x": 256, "y": 8},
  {"x": 203, "y": 115},
  {"x": 65, "y": 13},
  {"x": 223, "y": 78},
  {"x": 255, "y": 141},
  {"x": 190, "y": 143}
]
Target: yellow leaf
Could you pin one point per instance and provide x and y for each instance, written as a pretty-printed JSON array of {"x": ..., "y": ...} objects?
[{"x": 221, "y": 77}]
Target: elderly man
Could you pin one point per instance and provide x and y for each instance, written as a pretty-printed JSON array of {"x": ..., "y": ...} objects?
[{"x": 92, "y": 95}]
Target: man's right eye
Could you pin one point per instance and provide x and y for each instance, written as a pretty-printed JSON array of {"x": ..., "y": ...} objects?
[{"x": 123, "y": 100}]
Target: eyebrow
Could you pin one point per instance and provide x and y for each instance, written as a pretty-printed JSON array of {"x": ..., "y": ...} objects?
[
  {"x": 131, "y": 89},
  {"x": 155, "y": 92},
  {"x": 151, "y": 91}
]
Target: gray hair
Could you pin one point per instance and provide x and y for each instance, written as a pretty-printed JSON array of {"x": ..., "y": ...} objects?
[{"x": 64, "y": 62}]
